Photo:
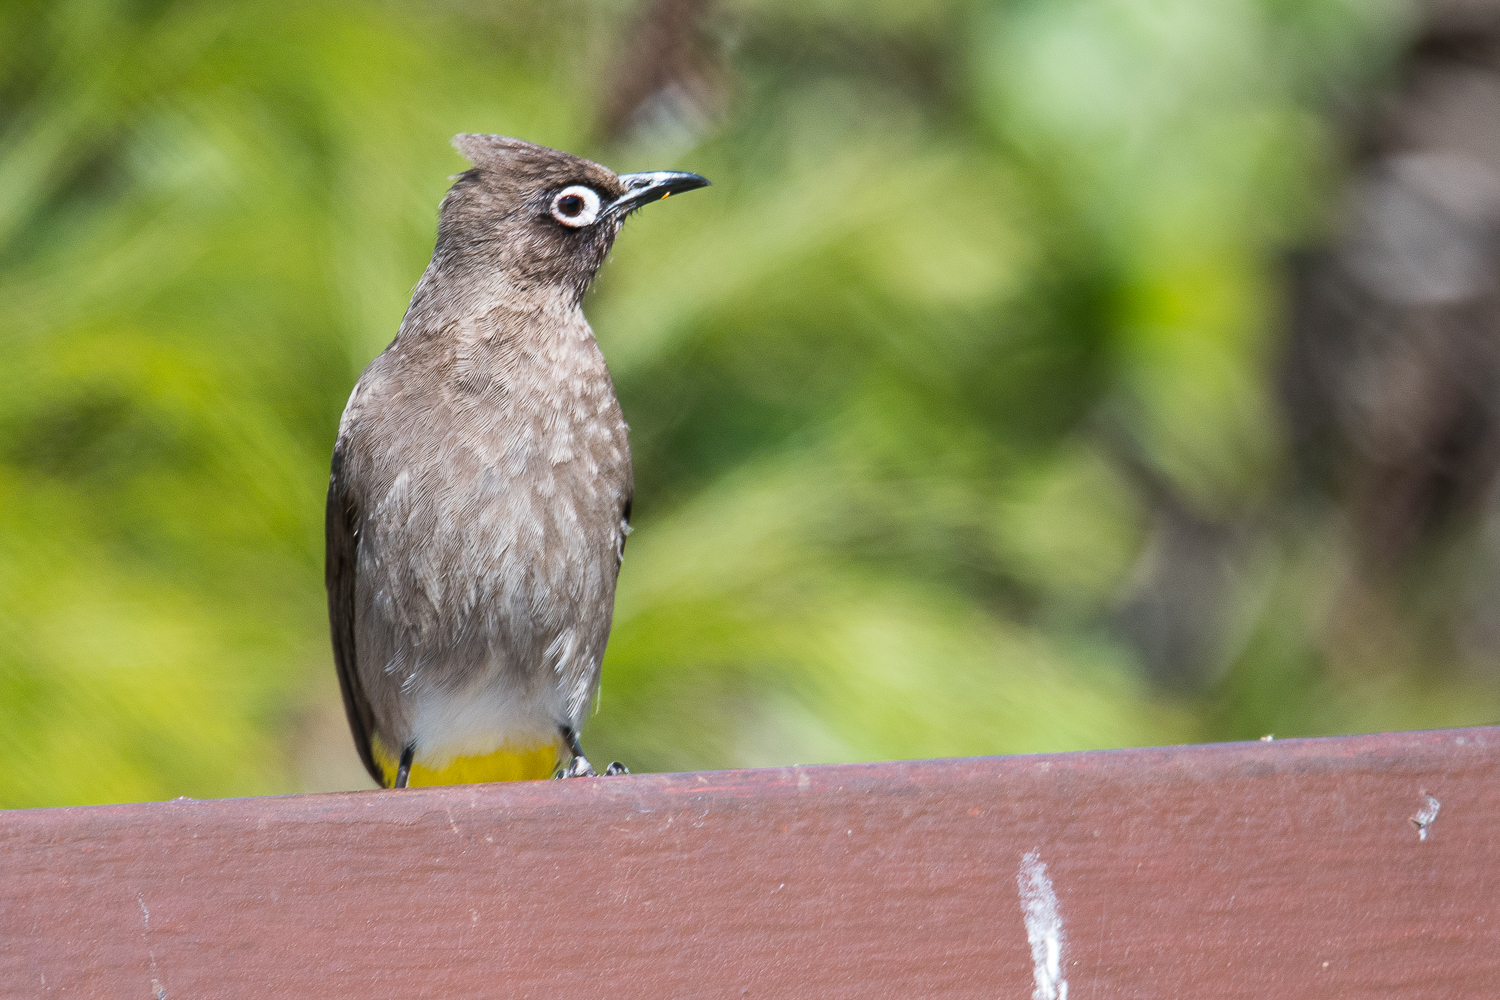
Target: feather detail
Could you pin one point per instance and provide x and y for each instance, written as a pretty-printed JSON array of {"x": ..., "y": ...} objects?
[{"x": 509, "y": 763}]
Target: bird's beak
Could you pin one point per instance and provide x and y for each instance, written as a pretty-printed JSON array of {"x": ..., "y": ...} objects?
[{"x": 641, "y": 189}]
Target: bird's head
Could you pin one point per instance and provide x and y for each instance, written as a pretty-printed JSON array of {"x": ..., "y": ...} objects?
[{"x": 543, "y": 218}]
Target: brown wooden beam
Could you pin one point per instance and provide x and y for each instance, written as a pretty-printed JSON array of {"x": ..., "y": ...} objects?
[{"x": 1265, "y": 870}]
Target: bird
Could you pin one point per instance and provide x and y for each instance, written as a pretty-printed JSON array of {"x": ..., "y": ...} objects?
[{"x": 481, "y": 484}]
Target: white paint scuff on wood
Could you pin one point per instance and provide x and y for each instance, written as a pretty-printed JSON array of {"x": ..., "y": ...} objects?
[
  {"x": 1426, "y": 815},
  {"x": 1044, "y": 928}
]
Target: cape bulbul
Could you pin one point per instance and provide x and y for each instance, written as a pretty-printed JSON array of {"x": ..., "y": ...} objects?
[{"x": 481, "y": 485}]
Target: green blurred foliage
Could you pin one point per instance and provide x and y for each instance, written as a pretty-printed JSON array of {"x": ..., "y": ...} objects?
[{"x": 866, "y": 372}]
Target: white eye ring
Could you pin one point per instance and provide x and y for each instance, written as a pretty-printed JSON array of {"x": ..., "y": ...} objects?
[{"x": 576, "y": 206}]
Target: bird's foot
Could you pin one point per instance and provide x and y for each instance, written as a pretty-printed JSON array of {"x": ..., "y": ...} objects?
[{"x": 578, "y": 767}]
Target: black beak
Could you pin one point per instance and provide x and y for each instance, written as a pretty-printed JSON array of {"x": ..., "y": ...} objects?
[{"x": 641, "y": 189}]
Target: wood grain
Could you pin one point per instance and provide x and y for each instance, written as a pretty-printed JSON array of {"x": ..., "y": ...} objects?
[{"x": 1287, "y": 870}]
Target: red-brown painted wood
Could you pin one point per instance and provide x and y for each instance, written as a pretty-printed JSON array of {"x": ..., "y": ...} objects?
[{"x": 1266, "y": 870}]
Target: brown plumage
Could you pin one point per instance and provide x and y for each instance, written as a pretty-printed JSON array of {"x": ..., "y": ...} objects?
[{"x": 481, "y": 481}]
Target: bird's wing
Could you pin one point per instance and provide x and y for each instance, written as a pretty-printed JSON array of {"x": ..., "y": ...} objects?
[
  {"x": 624, "y": 529},
  {"x": 339, "y": 575}
]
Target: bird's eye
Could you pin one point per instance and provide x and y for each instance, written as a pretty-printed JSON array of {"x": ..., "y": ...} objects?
[{"x": 576, "y": 206}]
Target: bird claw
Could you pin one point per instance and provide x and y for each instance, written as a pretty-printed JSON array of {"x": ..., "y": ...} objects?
[{"x": 578, "y": 767}]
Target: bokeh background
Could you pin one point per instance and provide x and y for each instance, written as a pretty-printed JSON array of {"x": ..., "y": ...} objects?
[{"x": 1037, "y": 375}]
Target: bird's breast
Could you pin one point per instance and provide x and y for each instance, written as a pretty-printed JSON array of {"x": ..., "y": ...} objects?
[{"x": 499, "y": 493}]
